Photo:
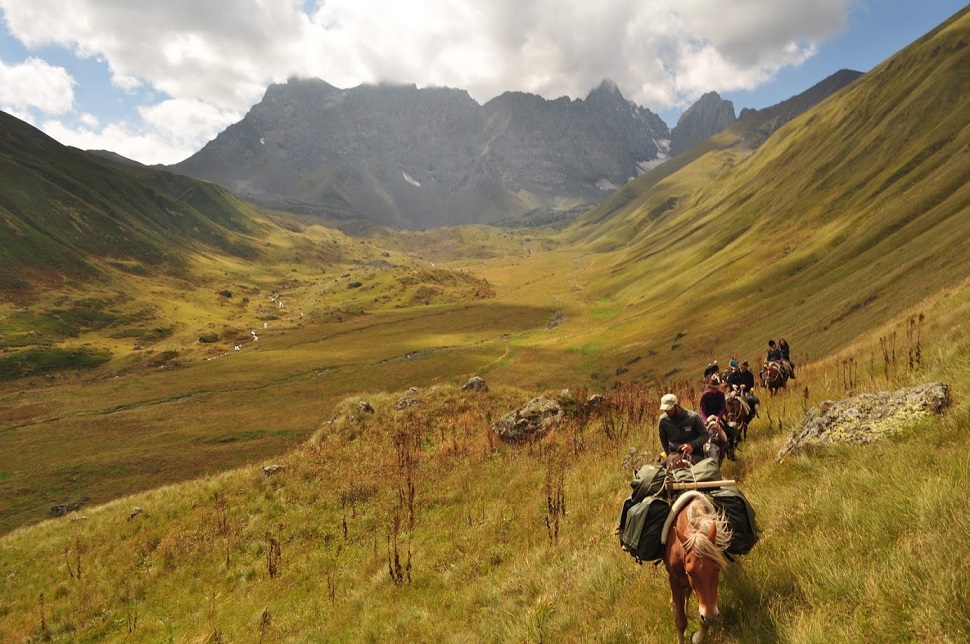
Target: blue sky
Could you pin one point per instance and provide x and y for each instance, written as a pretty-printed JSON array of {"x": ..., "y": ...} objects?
[{"x": 155, "y": 81}]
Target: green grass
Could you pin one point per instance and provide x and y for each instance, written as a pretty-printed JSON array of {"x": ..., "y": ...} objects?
[
  {"x": 29, "y": 362},
  {"x": 484, "y": 562}
]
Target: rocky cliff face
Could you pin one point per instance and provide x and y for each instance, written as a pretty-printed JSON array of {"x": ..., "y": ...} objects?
[
  {"x": 416, "y": 158},
  {"x": 708, "y": 116}
]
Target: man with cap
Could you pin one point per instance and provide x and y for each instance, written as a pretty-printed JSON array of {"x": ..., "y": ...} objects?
[{"x": 682, "y": 432}]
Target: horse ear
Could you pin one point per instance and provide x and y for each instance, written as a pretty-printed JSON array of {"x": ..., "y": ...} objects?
[{"x": 712, "y": 533}]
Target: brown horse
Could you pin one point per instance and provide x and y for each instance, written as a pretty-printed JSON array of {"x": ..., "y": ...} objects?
[
  {"x": 774, "y": 376},
  {"x": 738, "y": 415},
  {"x": 694, "y": 555},
  {"x": 718, "y": 438}
]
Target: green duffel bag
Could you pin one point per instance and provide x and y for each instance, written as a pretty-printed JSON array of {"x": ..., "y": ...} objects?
[
  {"x": 644, "y": 523},
  {"x": 741, "y": 518},
  {"x": 705, "y": 469},
  {"x": 647, "y": 481}
]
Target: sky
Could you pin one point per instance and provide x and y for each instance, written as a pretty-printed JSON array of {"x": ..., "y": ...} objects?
[{"x": 155, "y": 80}]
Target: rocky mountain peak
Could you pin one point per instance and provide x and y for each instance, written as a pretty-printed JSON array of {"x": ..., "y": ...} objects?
[{"x": 708, "y": 116}]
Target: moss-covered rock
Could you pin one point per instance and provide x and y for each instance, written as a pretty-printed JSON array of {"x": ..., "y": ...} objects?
[{"x": 866, "y": 418}]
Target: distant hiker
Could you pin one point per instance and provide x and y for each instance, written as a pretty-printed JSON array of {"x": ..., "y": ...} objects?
[
  {"x": 786, "y": 357},
  {"x": 682, "y": 433},
  {"x": 712, "y": 402}
]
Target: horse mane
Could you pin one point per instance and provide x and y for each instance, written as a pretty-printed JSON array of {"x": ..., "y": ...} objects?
[{"x": 700, "y": 515}]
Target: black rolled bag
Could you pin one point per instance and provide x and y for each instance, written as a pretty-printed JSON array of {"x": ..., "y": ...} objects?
[
  {"x": 740, "y": 516},
  {"x": 640, "y": 527}
]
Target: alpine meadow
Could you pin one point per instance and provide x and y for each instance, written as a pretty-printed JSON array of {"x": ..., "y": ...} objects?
[{"x": 223, "y": 420}]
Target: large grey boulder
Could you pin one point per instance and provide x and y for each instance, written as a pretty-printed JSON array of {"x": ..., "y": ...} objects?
[
  {"x": 532, "y": 421},
  {"x": 475, "y": 383},
  {"x": 866, "y": 418}
]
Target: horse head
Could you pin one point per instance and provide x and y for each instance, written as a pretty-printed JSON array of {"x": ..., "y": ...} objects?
[{"x": 717, "y": 436}]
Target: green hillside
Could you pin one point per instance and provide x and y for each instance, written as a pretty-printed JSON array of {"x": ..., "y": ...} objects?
[
  {"x": 64, "y": 212},
  {"x": 823, "y": 233},
  {"x": 846, "y": 232}
]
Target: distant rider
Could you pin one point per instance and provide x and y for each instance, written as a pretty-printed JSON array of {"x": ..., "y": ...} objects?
[
  {"x": 774, "y": 354},
  {"x": 711, "y": 370},
  {"x": 742, "y": 381},
  {"x": 712, "y": 402},
  {"x": 786, "y": 357}
]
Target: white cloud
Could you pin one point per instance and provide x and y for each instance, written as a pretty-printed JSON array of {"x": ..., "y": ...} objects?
[
  {"x": 189, "y": 121},
  {"x": 215, "y": 59},
  {"x": 129, "y": 141},
  {"x": 169, "y": 131},
  {"x": 35, "y": 84},
  {"x": 225, "y": 53}
]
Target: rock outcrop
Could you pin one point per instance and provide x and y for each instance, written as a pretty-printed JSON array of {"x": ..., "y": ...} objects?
[
  {"x": 866, "y": 418},
  {"x": 530, "y": 422}
]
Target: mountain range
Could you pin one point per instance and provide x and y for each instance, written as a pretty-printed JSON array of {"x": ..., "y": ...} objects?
[{"x": 418, "y": 158}]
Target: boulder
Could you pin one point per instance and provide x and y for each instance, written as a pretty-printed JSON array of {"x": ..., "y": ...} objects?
[
  {"x": 475, "y": 383},
  {"x": 866, "y": 418},
  {"x": 532, "y": 421}
]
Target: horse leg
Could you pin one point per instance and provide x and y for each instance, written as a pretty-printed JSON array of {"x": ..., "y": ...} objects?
[
  {"x": 679, "y": 598},
  {"x": 698, "y": 636}
]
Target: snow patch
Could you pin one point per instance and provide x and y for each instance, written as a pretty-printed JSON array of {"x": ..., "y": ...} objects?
[
  {"x": 606, "y": 185},
  {"x": 663, "y": 154},
  {"x": 409, "y": 179},
  {"x": 262, "y": 141}
]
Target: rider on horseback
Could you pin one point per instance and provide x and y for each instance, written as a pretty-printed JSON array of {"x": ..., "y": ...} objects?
[
  {"x": 712, "y": 400},
  {"x": 786, "y": 357},
  {"x": 682, "y": 433},
  {"x": 713, "y": 409},
  {"x": 775, "y": 354},
  {"x": 711, "y": 371},
  {"x": 742, "y": 382}
]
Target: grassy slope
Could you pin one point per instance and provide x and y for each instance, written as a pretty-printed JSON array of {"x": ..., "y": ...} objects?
[
  {"x": 822, "y": 233},
  {"x": 64, "y": 213},
  {"x": 832, "y": 566},
  {"x": 485, "y": 561}
]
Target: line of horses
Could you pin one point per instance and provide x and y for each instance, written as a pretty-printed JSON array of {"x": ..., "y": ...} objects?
[{"x": 694, "y": 551}]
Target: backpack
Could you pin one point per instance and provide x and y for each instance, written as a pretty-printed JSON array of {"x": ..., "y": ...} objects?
[{"x": 640, "y": 526}]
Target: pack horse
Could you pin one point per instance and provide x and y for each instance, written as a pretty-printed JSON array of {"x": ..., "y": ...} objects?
[{"x": 693, "y": 556}]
